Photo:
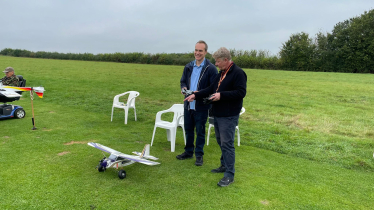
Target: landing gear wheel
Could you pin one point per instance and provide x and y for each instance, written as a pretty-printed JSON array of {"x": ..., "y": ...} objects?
[
  {"x": 19, "y": 113},
  {"x": 122, "y": 174},
  {"x": 101, "y": 169}
]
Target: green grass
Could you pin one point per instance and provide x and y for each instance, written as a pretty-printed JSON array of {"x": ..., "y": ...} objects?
[{"x": 306, "y": 142}]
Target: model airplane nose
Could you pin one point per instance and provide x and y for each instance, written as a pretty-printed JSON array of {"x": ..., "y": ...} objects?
[{"x": 104, "y": 163}]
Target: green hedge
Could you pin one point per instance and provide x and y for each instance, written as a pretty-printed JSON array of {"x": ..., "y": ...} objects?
[{"x": 244, "y": 59}]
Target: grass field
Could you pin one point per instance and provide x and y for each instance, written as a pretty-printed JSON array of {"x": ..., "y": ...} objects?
[{"x": 306, "y": 142}]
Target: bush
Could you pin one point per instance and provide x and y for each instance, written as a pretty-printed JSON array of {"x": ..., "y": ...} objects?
[{"x": 348, "y": 48}]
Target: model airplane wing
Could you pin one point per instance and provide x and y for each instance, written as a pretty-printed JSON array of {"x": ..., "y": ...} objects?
[
  {"x": 134, "y": 158},
  {"x": 103, "y": 148},
  {"x": 138, "y": 159}
]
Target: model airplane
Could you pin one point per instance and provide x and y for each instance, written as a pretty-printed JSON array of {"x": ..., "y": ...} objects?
[{"x": 119, "y": 160}]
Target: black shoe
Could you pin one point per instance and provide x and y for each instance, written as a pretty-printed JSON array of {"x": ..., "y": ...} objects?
[
  {"x": 199, "y": 161},
  {"x": 221, "y": 169},
  {"x": 225, "y": 181},
  {"x": 183, "y": 156}
]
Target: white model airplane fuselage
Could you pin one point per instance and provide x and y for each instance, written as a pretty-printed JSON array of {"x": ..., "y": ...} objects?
[{"x": 118, "y": 160}]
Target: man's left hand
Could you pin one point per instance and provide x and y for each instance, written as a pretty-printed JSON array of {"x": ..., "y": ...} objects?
[
  {"x": 190, "y": 98},
  {"x": 216, "y": 97}
]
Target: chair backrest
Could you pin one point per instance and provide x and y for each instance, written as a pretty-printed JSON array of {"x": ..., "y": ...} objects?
[
  {"x": 22, "y": 82},
  {"x": 178, "y": 110},
  {"x": 131, "y": 98},
  {"x": 242, "y": 111}
]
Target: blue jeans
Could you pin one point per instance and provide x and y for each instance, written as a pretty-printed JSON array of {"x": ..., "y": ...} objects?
[
  {"x": 195, "y": 119},
  {"x": 225, "y": 134}
]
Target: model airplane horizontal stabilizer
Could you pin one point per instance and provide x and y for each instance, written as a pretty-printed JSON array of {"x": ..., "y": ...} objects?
[{"x": 145, "y": 153}]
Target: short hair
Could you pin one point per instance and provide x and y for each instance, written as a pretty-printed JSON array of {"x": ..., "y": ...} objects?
[
  {"x": 202, "y": 42},
  {"x": 222, "y": 53}
]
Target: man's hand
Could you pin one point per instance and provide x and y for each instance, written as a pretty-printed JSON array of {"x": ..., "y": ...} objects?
[
  {"x": 182, "y": 89},
  {"x": 190, "y": 98},
  {"x": 216, "y": 97}
]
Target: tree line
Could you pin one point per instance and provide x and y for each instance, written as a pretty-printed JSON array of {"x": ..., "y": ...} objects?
[
  {"x": 348, "y": 48},
  {"x": 246, "y": 59}
]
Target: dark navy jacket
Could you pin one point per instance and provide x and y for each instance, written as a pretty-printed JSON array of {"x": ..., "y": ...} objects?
[
  {"x": 207, "y": 75},
  {"x": 232, "y": 90}
]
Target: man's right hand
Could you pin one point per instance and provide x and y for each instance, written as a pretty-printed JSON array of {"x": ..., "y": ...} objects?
[{"x": 182, "y": 91}]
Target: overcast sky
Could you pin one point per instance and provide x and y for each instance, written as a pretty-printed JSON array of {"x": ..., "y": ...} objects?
[{"x": 166, "y": 26}]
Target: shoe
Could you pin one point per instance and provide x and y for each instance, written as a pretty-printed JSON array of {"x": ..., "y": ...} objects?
[
  {"x": 225, "y": 181},
  {"x": 183, "y": 156},
  {"x": 221, "y": 169},
  {"x": 199, "y": 161}
]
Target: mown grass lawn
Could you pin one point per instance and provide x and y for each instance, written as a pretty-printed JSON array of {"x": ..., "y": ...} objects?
[{"x": 306, "y": 142}]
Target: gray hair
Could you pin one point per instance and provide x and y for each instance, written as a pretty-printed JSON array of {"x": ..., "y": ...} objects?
[
  {"x": 202, "y": 42},
  {"x": 222, "y": 53}
]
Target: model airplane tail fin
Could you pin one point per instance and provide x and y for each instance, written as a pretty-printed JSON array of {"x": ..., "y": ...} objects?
[{"x": 145, "y": 153}]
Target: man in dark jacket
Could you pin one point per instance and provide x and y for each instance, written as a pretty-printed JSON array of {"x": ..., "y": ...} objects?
[
  {"x": 197, "y": 75},
  {"x": 226, "y": 93}
]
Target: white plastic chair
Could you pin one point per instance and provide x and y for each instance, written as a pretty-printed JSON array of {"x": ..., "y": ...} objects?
[
  {"x": 211, "y": 125},
  {"x": 130, "y": 103},
  {"x": 171, "y": 127}
]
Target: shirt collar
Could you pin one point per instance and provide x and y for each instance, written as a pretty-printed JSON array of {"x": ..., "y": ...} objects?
[
  {"x": 228, "y": 68},
  {"x": 202, "y": 63}
]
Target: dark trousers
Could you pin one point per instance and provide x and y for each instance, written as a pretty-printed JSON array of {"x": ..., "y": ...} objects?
[
  {"x": 195, "y": 119},
  {"x": 225, "y": 134}
]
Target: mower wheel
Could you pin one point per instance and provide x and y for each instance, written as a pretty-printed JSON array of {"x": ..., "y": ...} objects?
[{"x": 19, "y": 113}]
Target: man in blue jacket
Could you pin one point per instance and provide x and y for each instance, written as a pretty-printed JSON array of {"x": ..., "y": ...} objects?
[
  {"x": 197, "y": 75},
  {"x": 227, "y": 93}
]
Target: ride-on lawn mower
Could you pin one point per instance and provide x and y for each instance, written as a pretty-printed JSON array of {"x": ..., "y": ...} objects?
[{"x": 9, "y": 110}]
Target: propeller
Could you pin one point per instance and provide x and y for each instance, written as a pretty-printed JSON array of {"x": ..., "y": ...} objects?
[{"x": 100, "y": 166}]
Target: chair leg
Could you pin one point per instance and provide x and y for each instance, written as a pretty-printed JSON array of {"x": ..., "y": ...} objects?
[
  {"x": 126, "y": 114},
  {"x": 153, "y": 136},
  {"x": 168, "y": 134},
  {"x": 207, "y": 139},
  {"x": 135, "y": 113},
  {"x": 237, "y": 128},
  {"x": 173, "y": 134},
  {"x": 111, "y": 116}
]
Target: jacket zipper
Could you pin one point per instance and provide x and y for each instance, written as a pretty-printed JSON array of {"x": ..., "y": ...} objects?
[{"x": 198, "y": 83}]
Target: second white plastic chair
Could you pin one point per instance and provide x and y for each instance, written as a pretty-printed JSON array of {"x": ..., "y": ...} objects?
[
  {"x": 211, "y": 125},
  {"x": 171, "y": 127},
  {"x": 130, "y": 103}
]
